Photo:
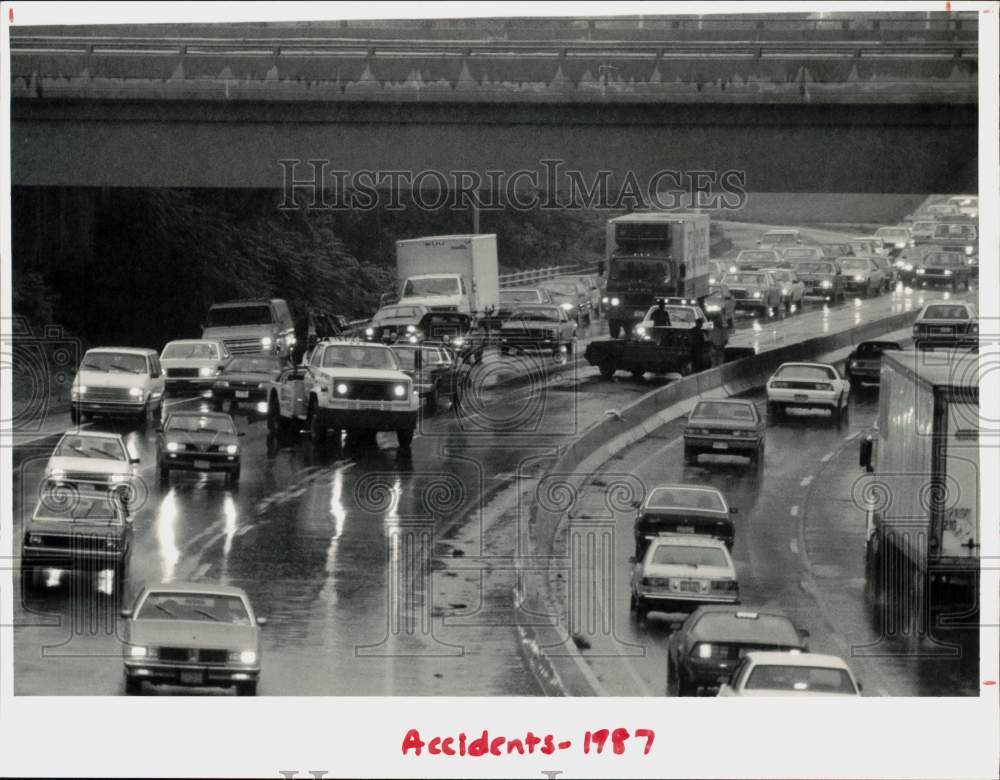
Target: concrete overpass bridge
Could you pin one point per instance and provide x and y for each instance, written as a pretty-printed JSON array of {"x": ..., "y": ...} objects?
[{"x": 819, "y": 102}]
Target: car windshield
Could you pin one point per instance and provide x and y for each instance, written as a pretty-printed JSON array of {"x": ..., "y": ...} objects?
[
  {"x": 944, "y": 259},
  {"x": 543, "y": 314},
  {"x": 199, "y": 423},
  {"x": 779, "y": 238},
  {"x": 685, "y": 498},
  {"x": 114, "y": 362},
  {"x": 855, "y": 265},
  {"x": 91, "y": 510},
  {"x": 875, "y": 347},
  {"x": 97, "y": 447},
  {"x": 518, "y": 296},
  {"x": 678, "y": 314},
  {"x": 253, "y": 365},
  {"x": 806, "y": 373},
  {"x": 802, "y": 251},
  {"x": 432, "y": 285},
  {"x": 924, "y": 227},
  {"x": 191, "y": 350},
  {"x": 724, "y": 411},
  {"x": 358, "y": 356},
  {"x": 815, "y": 268},
  {"x": 208, "y": 607},
  {"x": 744, "y": 278},
  {"x": 687, "y": 555},
  {"x": 812, "y": 679},
  {"x": 945, "y": 312},
  {"x": 236, "y": 316},
  {"x": 955, "y": 231},
  {"x": 755, "y": 255}
]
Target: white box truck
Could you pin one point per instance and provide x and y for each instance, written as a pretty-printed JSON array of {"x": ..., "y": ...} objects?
[
  {"x": 922, "y": 542},
  {"x": 449, "y": 273}
]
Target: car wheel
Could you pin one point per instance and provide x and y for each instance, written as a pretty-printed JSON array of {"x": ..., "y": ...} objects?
[
  {"x": 317, "y": 430},
  {"x": 273, "y": 414},
  {"x": 404, "y": 437},
  {"x": 614, "y": 330},
  {"x": 607, "y": 368},
  {"x": 246, "y": 688},
  {"x": 133, "y": 686},
  {"x": 144, "y": 416},
  {"x": 684, "y": 685},
  {"x": 774, "y": 410}
]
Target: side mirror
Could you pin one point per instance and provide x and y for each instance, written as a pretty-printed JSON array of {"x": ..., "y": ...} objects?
[
  {"x": 631, "y": 559},
  {"x": 126, "y": 613},
  {"x": 733, "y": 510},
  {"x": 261, "y": 621}
]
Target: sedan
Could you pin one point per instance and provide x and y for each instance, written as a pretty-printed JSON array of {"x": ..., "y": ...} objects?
[
  {"x": 789, "y": 674},
  {"x": 752, "y": 259},
  {"x": 947, "y": 325},
  {"x": 793, "y": 289},
  {"x": 822, "y": 278},
  {"x": 756, "y": 291},
  {"x": 91, "y": 462},
  {"x": 538, "y": 328},
  {"x": 572, "y": 297},
  {"x": 198, "y": 441},
  {"x": 396, "y": 322},
  {"x": 680, "y": 573},
  {"x": 795, "y": 253},
  {"x": 709, "y": 645},
  {"x": 895, "y": 238},
  {"x": 948, "y": 269},
  {"x": 864, "y": 364},
  {"x": 863, "y": 275},
  {"x": 192, "y": 364},
  {"x": 724, "y": 427},
  {"x": 779, "y": 239},
  {"x": 245, "y": 380},
  {"x": 432, "y": 369},
  {"x": 511, "y": 297},
  {"x": 720, "y": 306},
  {"x": 192, "y": 634},
  {"x": 808, "y": 386},
  {"x": 683, "y": 509}
]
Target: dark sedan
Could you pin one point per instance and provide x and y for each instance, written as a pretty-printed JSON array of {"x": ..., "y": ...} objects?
[
  {"x": 711, "y": 642},
  {"x": 948, "y": 269},
  {"x": 682, "y": 509},
  {"x": 864, "y": 364},
  {"x": 947, "y": 325},
  {"x": 244, "y": 381},
  {"x": 572, "y": 297},
  {"x": 198, "y": 441},
  {"x": 724, "y": 427},
  {"x": 433, "y": 369}
]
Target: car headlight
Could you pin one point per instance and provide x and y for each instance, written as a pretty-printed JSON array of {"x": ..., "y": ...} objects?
[
  {"x": 854, "y": 364},
  {"x": 119, "y": 478},
  {"x": 757, "y": 294},
  {"x": 173, "y": 446},
  {"x": 704, "y": 650},
  {"x": 900, "y": 244},
  {"x": 410, "y": 329},
  {"x": 221, "y": 383},
  {"x": 291, "y": 340},
  {"x": 947, "y": 272},
  {"x": 341, "y": 389},
  {"x": 640, "y": 331},
  {"x": 34, "y": 540},
  {"x": 77, "y": 390},
  {"x": 784, "y": 291},
  {"x": 920, "y": 272},
  {"x": 232, "y": 449},
  {"x": 604, "y": 299},
  {"x": 615, "y": 301},
  {"x": 135, "y": 392},
  {"x": 205, "y": 371},
  {"x": 711, "y": 280},
  {"x": 138, "y": 651},
  {"x": 244, "y": 657},
  {"x": 57, "y": 474},
  {"x": 369, "y": 331},
  {"x": 713, "y": 308},
  {"x": 968, "y": 250},
  {"x": 266, "y": 342},
  {"x": 399, "y": 391},
  {"x": 566, "y": 306},
  {"x": 858, "y": 278},
  {"x": 826, "y": 284},
  {"x": 908, "y": 267}
]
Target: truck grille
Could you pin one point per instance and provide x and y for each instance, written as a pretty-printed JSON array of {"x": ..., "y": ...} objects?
[
  {"x": 181, "y": 373},
  {"x": 112, "y": 394},
  {"x": 243, "y": 346},
  {"x": 370, "y": 391}
]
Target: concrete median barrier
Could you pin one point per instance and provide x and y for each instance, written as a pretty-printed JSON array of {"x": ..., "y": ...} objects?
[{"x": 553, "y": 657}]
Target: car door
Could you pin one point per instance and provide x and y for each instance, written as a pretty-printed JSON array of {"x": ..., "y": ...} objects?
[{"x": 156, "y": 381}]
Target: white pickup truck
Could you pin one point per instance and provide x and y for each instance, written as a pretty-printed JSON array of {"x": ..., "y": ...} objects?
[{"x": 347, "y": 385}]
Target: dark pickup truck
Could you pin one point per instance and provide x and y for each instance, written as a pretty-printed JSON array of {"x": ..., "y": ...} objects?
[{"x": 690, "y": 343}]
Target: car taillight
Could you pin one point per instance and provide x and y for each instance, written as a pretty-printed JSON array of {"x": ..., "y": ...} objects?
[
  {"x": 656, "y": 582},
  {"x": 777, "y": 383},
  {"x": 823, "y": 386},
  {"x": 703, "y": 650},
  {"x": 725, "y": 586}
]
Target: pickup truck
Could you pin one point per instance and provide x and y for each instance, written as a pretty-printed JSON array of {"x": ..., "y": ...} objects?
[{"x": 690, "y": 343}]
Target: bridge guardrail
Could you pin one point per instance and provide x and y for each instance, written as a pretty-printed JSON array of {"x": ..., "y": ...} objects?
[{"x": 516, "y": 278}]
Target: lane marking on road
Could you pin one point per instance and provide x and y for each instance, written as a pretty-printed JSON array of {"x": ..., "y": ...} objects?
[
  {"x": 805, "y": 482},
  {"x": 793, "y": 545},
  {"x": 794, "y": 511},
  {"x": 826, "y": 457}
]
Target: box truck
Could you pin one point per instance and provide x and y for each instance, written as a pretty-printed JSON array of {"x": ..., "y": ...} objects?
[{"x": 449, "y": 273}]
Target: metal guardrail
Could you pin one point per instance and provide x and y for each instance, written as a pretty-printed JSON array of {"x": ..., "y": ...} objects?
[{"x": 517, "y": 278}]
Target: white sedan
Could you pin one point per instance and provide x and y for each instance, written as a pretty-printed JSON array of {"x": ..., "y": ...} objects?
[
  {"x": 791, "y": 674},
  {"x": 681, "y": 572},
  {"x": 808, "y": 386},
  {"x": 90, "y": 461}
]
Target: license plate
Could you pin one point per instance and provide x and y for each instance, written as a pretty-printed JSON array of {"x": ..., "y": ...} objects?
[
  {"x": 242, "y": 393},
  {"x": 690, "y": 586},
  {"x": 192, "y": 678},
  {"x": 684, "y": 529},
  {"x": 801, "y": 397},
  {"x": 720, "y": 445},
  {"x": 202, "y": 464},
  {"x": 942, "y": 330}
]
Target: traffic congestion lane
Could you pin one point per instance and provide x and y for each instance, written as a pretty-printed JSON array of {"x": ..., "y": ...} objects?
[{"x": 799, "y": 548}]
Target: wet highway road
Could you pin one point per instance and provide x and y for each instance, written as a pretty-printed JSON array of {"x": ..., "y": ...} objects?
[
  {"x": 800, "y": 540},
  {"x": 380, "y": 572}
]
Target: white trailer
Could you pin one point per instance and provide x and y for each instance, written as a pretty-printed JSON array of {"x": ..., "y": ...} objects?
[{"x": 450, "y": 273}]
